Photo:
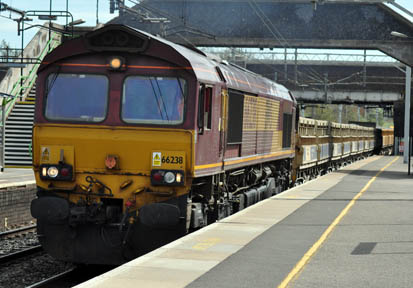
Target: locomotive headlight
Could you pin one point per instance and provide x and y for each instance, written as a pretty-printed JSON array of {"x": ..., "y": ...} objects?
[
  {"x": 169, "y": 177},
  {"x": 52, "y": 172}
]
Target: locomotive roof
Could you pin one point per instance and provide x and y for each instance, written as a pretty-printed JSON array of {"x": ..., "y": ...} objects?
[{"x": 206, "y": 68}]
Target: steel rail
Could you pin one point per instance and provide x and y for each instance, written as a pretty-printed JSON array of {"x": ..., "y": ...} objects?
[
  {"x": 51, "y": 279},
  {"x": 16, "y": 231},
  {"x": 20, "y": 254}
]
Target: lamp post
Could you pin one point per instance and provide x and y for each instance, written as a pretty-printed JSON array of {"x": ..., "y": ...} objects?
[{"x": 406, "y": 152}]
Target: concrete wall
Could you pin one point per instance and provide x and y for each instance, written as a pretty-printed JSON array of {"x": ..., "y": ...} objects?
[{"x": 15, "y": 206}]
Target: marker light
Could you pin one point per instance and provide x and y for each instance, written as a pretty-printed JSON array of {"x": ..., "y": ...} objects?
[
  {"x": 178, "y": 177},
  {"x": 115, "y": 63},
  {"x": 169, "y": 177},
  {"x": 157, "y": 177},
  {"x": 52, "y": 172},
  {"x": 44, "y": 171},
  {"x": 64, "y": 172}
]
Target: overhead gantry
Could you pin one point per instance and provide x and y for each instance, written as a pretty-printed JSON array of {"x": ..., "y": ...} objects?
[
  {"x": 364, "y": 24},
  {"x": 343, "y": 24}
]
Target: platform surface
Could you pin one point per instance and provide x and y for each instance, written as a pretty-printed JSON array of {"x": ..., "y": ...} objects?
[
  {"x": 350, "y": 228},
  {"x": 12, "y": 177}
]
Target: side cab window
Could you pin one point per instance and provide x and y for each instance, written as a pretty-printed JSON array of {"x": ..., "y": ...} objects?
[{"x": 205, "y": 108}]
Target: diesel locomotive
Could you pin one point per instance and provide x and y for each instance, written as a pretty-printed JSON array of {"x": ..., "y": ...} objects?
[{"x": 137, "y": 141}]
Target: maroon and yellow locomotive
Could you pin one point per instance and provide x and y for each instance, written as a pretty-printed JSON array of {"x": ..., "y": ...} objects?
[{"x": 138, "y": 140}]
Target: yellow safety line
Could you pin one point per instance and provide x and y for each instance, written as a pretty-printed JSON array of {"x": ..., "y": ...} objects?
[{"x": 310, "y": 253}]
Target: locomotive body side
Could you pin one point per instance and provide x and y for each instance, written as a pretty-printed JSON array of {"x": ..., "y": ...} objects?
[
  {"x": 255, "y": 117},
  {"x": 247, "y": 155}
]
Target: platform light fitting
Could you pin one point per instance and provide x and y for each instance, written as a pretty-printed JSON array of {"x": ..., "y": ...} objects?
[
  {"x": 47, "y": 17},
  {"x": 398, "y": 34}
]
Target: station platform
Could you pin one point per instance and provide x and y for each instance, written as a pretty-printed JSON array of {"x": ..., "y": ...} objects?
[
  {"x": 13, "y": 177},
  {"x": 350, "y": 228}
]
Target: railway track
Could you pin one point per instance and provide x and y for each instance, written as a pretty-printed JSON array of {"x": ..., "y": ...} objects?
[
  {"x": 71, "y": 277},
  {"x": 22, "y": 259},
  {"x": 23, "y": 262},
  {"x": 54, "y": 281},
  {"x": 17, "y": 232},
  {"x": 18, "y": 243},
  {"x": 20, "y": 254}
]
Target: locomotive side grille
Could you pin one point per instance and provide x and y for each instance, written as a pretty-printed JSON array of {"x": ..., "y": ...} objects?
[
  {"x": 235, "y": 117},
  {"x": 287, "y": 126}
]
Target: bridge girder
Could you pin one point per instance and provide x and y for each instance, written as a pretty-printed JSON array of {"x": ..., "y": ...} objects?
[
  {"x": 364, "y": 24},
  {"x": 347, "y": 97},
  {"x": 340, "y": 83}
]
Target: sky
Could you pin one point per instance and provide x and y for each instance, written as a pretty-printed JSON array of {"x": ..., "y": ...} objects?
[{"x": 80, "y": 9}]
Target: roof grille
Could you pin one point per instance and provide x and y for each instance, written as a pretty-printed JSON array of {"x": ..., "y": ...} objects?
[{"x": 117, "y": 38}]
